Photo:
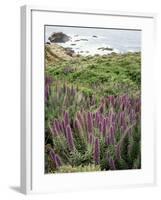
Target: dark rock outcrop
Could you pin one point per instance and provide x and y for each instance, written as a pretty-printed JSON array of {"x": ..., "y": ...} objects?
[
  {"x": 83, "y": 39},
  {"x": 69, "y": 51},
  {"x": 59, "y": 37},
  {"x": 105, "y": 48}
]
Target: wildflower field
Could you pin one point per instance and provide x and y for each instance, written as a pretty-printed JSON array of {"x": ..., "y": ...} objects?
[{"x": 93, "y": 113}]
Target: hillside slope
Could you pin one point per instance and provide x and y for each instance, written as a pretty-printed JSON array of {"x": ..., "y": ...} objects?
[{"x": 54, "y": 53}]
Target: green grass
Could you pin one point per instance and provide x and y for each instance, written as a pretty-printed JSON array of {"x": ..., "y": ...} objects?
[{"x": 101, "y": 75}]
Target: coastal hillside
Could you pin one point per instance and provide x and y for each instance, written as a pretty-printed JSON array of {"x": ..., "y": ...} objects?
[
  {"x": 55, "y": 53},
  {"x": 111, "y": 74}
]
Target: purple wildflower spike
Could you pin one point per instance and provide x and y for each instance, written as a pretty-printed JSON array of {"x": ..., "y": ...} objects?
[
  {"x": 58, "y": 160},
  {"x": 97, "y": 119},
  {"x": 112, "y": 130},
  {"x": 97, "y": 151},
  {"x": 122, "y": 118},
  {"x": 46, "y": 93},
  {"x": 100, "y": 127},
  {"x": 66, "y": 118},
  {"x": 70, "y": 140},
  {"x": 89, "y": 122},
  {"x": 111, "y": 135},
  {"x": 101, "y": 118},
  {"x": 56, "y": 123},
  {"x": 113, "y": 117},
  {"x": 55, "y": 158},
  {"x": 52, "y": 155},
  {"x": 104, "y": 127},
  {"x": 61, "y": 127},
  {"x": 48, "y": 81}
]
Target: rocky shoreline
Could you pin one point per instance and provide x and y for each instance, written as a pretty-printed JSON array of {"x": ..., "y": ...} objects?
[
  {"x": 55, "y": 53},
  {"x": 73, "y": 47}
]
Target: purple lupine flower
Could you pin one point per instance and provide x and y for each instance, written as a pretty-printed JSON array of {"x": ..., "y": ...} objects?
[
  {"x": 111, "y": 135},
  {"x": 46, "y": 93},
  {"x": 97, "y": 119},
  {"x": 48, "y": 81},
  {"x": 124, "y": 125},
  {"x": 54, "y": 130},
  {"x": 100, "y": 127},
  {"x": 69, "y": 136},
  {"x": 122, "y": 118},
  {"x": 111, "y": 164},
  {"x": 55, "y": 158},
  {"x": 89, "y": 122},
  {"x": 61, "y": 126},
  {"x": 113, "y": 117},
  {"x": 97, "y": 151},
  {"x": 58, "y": 160},
  {"x": 104, "y": 127},
  {"x": 56, "y": 123},
  {"x": 101, "y": 117},
  {"x": 52, "y": 155},
  {"x": 66, "y": 118},
  {"x": 138, "y": 105},
  {"x": 112, "y": 130}
]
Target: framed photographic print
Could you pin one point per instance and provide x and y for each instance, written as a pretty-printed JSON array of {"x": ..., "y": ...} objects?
[{"x": 87, "y": 107}]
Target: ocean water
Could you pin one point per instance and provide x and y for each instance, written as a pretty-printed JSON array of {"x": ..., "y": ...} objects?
[{"x": 87, "y": 41}]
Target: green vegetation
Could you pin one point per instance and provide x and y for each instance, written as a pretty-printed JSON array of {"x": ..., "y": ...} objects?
[
  {"x": 101, "y": 75},
  {"x": 92, "y": 113}
]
